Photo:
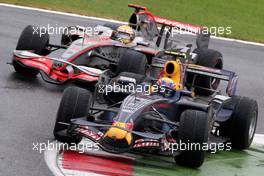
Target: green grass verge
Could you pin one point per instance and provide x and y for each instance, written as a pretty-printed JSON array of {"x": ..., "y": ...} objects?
[
  {"x": 222, "y": 163},
  {"x": 245, "y": 17}
]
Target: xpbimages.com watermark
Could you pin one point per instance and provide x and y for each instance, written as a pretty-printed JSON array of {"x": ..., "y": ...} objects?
[
  {"x": 91, "y": 30},
  {"x": 130, "y": 88},
  {"x": 59, "y": 30},
  {"x": 172, "y": 147},
  {"x": 192, "y": 146},
  {"x": 50, "y": 146},
  {"x": 213, "y": 30}
]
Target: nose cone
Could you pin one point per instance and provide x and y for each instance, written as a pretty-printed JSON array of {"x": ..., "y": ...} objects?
[{"x": 119, "y": 134}]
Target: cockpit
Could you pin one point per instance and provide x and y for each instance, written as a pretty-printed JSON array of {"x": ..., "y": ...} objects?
[{"x": 144, "y": 25}]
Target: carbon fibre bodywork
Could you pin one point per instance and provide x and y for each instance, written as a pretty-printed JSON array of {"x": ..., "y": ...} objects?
[
  {"x": 152, "y": 121},
  {"x": 150, "y": 40}
]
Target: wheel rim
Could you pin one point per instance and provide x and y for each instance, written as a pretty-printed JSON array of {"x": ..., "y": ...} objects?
[{"x": 252, "y": 126}]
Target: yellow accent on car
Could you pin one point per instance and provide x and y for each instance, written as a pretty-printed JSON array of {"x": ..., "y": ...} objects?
[
  {"x": 125, "y": 29},
  {"x": 119, "y": 134},
  {"x": 172, "y": 70}
]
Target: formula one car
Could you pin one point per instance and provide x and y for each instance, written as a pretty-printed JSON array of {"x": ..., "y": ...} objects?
[
  {"x": 88, "y": 55},
  {"x": 117, "y": 87},
  {"x": 166, "y": 114}
]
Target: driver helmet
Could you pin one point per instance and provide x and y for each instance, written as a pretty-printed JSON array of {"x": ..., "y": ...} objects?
[
  {"x": 124, "y": 34},
  {"x": 167, "y": 86}
]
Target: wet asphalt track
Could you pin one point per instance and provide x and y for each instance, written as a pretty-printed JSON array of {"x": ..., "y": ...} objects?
[{"x": 28, "y": 106}]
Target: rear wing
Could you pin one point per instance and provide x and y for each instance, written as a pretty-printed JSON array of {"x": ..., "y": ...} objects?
[
  {"x": 179, "y": 25},
  {"x": 137, "y": 7},
  {"x": 171, "y": 23},
  {"x": 202, "y": 40},
  {"x": 225, "y": 75}
]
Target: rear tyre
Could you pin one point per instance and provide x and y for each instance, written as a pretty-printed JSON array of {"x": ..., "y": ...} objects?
[
  {"x": 75, "y": 103},
  {"x": 133, "y": 62},
  {"x": 241, "y": 127},
  {"x": 207, "y": 58},
  {"x": 194, "y": 129}
]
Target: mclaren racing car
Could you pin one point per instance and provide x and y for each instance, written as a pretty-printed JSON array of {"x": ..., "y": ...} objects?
[
  {"x": 166, "y": 114},
  {"x": 87, "y": 55}
]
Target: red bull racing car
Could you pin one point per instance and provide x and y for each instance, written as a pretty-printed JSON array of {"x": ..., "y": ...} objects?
[{"x": 167, "y": 113}]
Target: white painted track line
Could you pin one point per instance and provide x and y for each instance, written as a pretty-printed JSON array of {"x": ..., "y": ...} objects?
[
  {"x": 113, "y": 21},
  {"x": 258, "y": 139},
  {"x": 50, "y": 157}
]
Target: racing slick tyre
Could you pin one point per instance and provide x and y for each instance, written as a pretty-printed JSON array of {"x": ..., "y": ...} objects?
[
  {"x": 133, "y": 62},
  {"x": 35, "y": 39},
  {"x": 241, "y": 127},
  {"x": 205, "y": 85},
  {"x": 75, "y": 103},
  {"x": 194, "y": 129},
  {"x": 24, "y": 71}
]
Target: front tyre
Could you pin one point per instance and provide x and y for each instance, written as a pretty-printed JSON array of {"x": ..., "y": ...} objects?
[
  {"x": 194, "y": 129},
  {"x": 34, "y": 39},
  {"x": 75, "y": 103}
]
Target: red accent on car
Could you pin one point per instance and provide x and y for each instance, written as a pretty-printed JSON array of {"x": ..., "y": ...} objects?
[
  {"x": 42, "y": 63},
  {"x": 85, "y": 77},
  {"x": 187, "y": 27},
  {"x": 139, "y": 7},
  {"x": 45, "y": 64},
  {"x": 128, "y": 125}
]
